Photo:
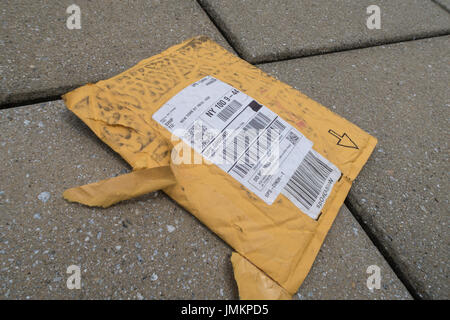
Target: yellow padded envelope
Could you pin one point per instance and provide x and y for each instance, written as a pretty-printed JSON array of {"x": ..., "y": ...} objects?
[{"x": 276, "y": 243}]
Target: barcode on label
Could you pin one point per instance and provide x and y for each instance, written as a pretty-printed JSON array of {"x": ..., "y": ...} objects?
[
  {"x": 242, "y": 142},
  {"x": 230, "y": 109},
  {"x": 308, "y": 180},
  {"x": 259, "y": 122}
]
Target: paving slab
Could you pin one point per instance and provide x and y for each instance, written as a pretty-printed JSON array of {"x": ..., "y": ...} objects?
[
  {"x": 40, "y": 57},
  {"x": 399, "y": 94},
  {"x": 264, "y": 30},
  {"x": 146, "y": 248}
]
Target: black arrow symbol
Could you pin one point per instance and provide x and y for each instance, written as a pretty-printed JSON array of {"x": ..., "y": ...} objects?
[{"x": 344, "y": 140}]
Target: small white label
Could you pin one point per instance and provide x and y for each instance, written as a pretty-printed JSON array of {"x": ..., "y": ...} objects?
[{"x": 249, "y": 142}]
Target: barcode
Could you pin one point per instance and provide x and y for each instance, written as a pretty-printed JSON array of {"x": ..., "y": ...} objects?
[
  {"x": 230, "y": 109},
  {"x": 308, "y": 180},
  {"x": 259, "y": 122},
  {"x": 266, "y": 140},
  {"x": 277, "y": 125},
  {"x": 243, "y": 140}
]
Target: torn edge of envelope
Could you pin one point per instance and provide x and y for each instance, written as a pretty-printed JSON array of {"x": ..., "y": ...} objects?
[{"x": 107, "y": 192}]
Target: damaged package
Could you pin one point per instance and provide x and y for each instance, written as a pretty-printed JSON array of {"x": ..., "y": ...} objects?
[{"x": 262, "y": 165}]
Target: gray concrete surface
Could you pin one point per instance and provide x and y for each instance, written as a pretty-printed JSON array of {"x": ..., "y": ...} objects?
[
  {"x": 398, "y": 93},
  {"x": 265, "y": 30},
  {"x": 147, "y": 248},
  {"x": 40, "y": 57}
]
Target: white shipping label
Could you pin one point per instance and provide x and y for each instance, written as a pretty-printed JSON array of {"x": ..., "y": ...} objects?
[{"x": 249, "y": 142}]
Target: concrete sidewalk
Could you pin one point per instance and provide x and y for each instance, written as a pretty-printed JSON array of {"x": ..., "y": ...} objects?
[
  {"x": 150, "y": 248},
  {"x": 41, "y": 58}
]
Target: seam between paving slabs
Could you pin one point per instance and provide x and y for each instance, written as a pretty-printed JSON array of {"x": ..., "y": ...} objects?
[
  {"x": 49, "y": 94},
  {"x": 441, "y": 5},
  {"x": 223, "y": 30},
  {"x": 45, "y": 98},
  {"x": 56, "y": 93},
  {"x": 385, "y": 251},
  {"x": 364, "y": 45}
]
